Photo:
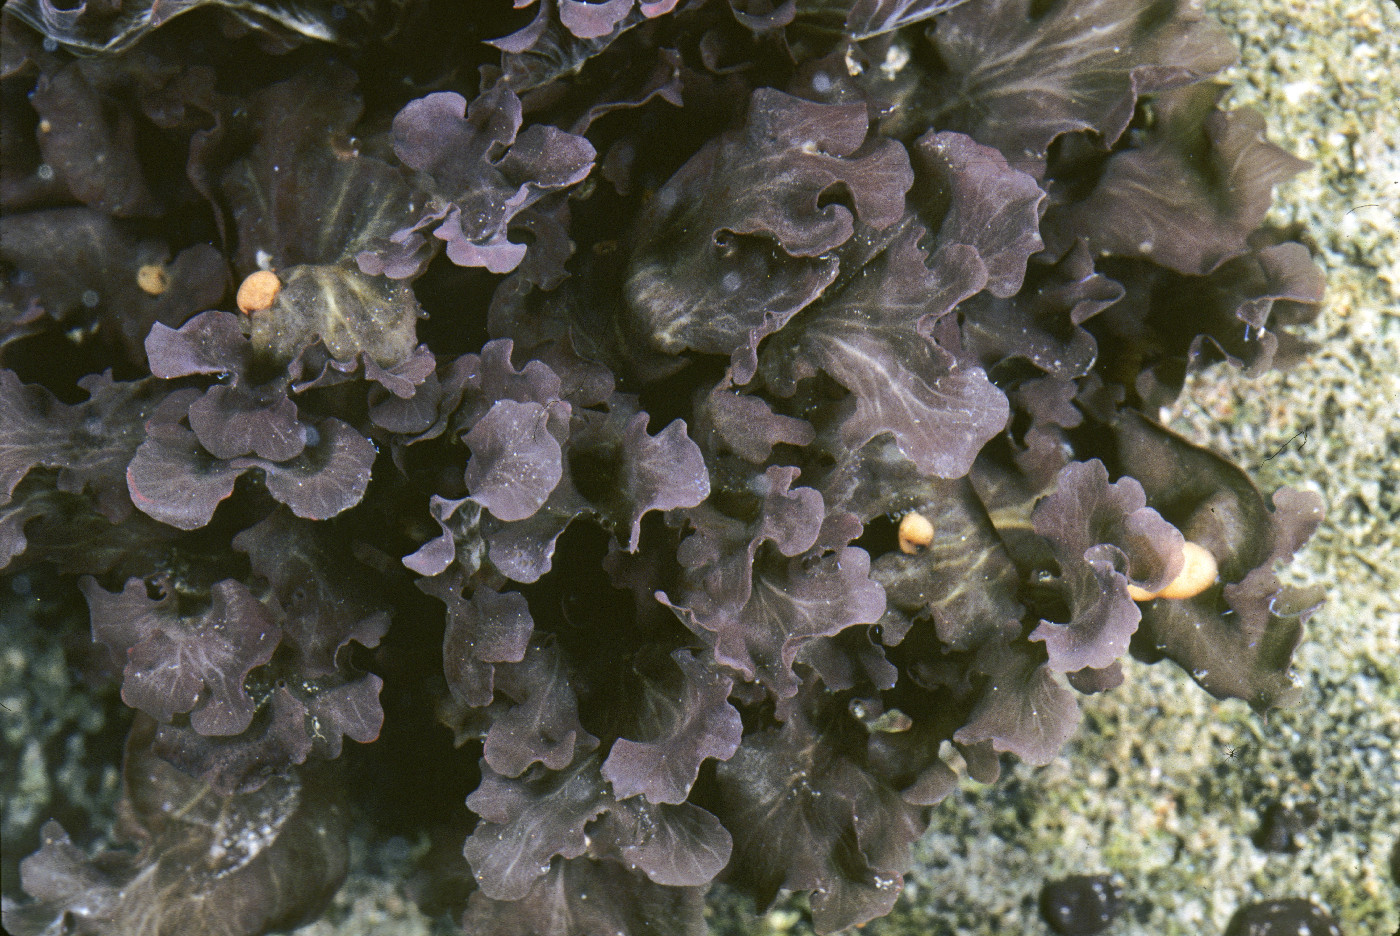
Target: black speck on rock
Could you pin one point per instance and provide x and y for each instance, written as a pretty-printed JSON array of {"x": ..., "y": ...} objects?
[
  {"x": 1293, "y": 917},
  {"x": 1081, "y": 904},
  {"x": 1281, "y": 828}
]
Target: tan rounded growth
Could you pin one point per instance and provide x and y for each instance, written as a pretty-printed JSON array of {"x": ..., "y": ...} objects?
[
  {"x": 1198, "y": 572},
  {"x": 259, "y": 291},
  {"x": 915, "y": 532},
  {"x": 153, "y": 279}
]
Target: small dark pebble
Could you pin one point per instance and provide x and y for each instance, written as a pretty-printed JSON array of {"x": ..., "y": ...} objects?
[
  {"x": 1395, "y": 866},
  {"x": 1295, "y": 917},
  {"x": 1281, "y": 829},
  {"x": 1081, "y": 904}
]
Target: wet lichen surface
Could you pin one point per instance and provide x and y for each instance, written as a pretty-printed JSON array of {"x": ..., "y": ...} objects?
[{"x": 1161, "y": 786}]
